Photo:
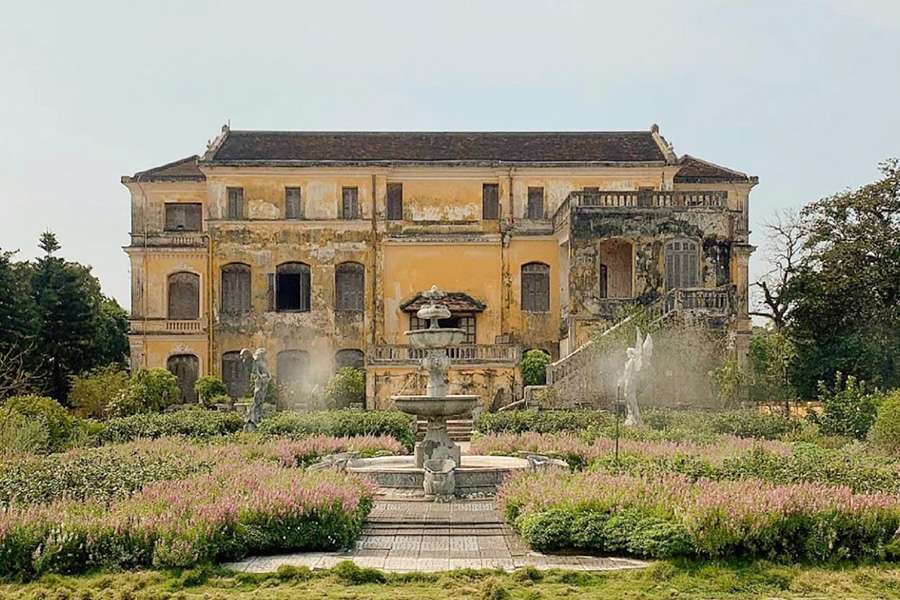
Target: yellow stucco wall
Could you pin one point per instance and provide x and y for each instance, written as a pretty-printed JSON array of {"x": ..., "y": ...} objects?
[{"x": 442, "y": 240}]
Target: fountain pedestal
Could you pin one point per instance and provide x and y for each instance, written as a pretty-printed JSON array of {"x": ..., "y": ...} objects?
[{"x": 438, "y": 469}]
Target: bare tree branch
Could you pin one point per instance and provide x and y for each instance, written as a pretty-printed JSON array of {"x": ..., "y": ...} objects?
[{"x": 786, "y": 253}]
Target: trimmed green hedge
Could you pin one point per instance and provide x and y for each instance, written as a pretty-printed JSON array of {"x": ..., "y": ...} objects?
[
  {"x": 541, "y": 421},
  {"x": 192, "y": 422},
  {"x": 341, "y": 423}
]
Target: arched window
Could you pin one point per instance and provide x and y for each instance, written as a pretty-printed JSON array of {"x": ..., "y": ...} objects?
[
  {"x": 682, "y": 264},
  {"x": 236, "y": 375},
  {"x": 349, "y": 358},
  {"x": 186, "y": 368},
  {"x": 349, "y": 286},
  {"x": 184, "y": 296},
  {"x": 293, "y": 367},
  {"x": 235, "y": 289},
  {"x": 535, "y": 287},
  {"x": 292, "y": 287}
]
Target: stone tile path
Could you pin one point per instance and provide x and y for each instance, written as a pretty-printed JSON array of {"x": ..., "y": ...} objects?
[{"x": 410, "y": 535}]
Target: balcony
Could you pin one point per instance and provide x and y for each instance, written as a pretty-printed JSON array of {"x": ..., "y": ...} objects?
[
  {"x": 166, "y": 327},
  {"x": 470, "y": 354},
  {"x": 678, "y": 200},
  {"x": 169, "y": 239}
]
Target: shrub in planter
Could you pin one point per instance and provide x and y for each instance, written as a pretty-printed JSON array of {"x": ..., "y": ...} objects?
[
  {"x": 208, "y": 388},
  {"x": 91, "y": 393},
  {"x": 885, "y": 431},
  {"x": 194, "y": 422},
  {"x": 347, "y": 387},
  {"x": 340, "y": 423},
  {"x": 534, "y": 367},
  {"x": 49, "y": 413}
]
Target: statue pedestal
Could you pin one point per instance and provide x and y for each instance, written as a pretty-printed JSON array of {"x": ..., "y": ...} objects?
[{"x": 437, "y": 444}]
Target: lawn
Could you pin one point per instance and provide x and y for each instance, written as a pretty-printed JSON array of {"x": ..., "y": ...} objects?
[{"x": 665, "y": 579}]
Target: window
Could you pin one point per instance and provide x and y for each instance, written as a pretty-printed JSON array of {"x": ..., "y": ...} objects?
[
  {"x": 235, "y": 374},
  {"x": 235, "y": 208},
  {"x": 604, "y": 281},
  {"x": 292, "y": 287},
  {"x": 535, "y": 287},
  {"x": 184, "y": 296},
  {"x": 292, "y": 366},
  {"x": 235, "y": 289},
  {"x": 186, "y": 368},
  {"x": 349, "y": 358},
  {"x": 535, "y": 203},
  {"x": 350, "y": 203},
  {"x": 395, "y": 201},
  {"x": 349, "y": 286},
  {"x": 183, "y": 217},
  {"x": 681, "y": 264},
  {"x": 457, "y": 321},
  {"x": 293, "y": 208},
  {"x": 490, "y": 201}
]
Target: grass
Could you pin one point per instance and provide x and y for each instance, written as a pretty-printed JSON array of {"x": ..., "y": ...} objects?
[{"x": 663, "y": 580}]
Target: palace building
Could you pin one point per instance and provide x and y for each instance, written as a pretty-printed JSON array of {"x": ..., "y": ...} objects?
[{"x": 317, "y": 247}]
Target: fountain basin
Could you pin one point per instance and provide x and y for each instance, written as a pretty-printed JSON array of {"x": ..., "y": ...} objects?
[
  {"x": 436, "y": 407},
  {"x": 474, "y": 475},
  {"x": 429, "y": 339}
]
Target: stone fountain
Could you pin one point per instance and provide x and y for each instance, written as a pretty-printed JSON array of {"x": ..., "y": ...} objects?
[
  {"x": 437, "y": 405},
  {"x": 438, "y": 467}
]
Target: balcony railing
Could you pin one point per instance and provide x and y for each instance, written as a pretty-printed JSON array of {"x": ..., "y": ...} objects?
[
  {"x": 170, "y": 239},
  {"x": 469, "y": 354},
  {"x": 681, "y": 199},
  {"x": 166, "y": 326}
]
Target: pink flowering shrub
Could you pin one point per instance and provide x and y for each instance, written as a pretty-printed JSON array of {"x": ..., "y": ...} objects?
[
  {"x": 672, "y": 515},
  {"x": 116, "y": 471},
  {"x": 235, "y": 509},
  {"x": 725, "y": 458}
]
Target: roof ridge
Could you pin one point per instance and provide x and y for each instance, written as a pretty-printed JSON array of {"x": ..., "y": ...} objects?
[{"x": 423, "y": 132}]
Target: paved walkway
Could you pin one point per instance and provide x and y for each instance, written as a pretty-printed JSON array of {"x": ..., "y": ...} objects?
[{"x": 411, "y": 535}]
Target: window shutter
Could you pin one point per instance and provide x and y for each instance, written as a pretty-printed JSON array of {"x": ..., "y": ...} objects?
[
  {"x": 304, "y": 290},
  {"x": 490, "y": 201},
  {"x": 292, "y": 203},
  {"x": 535, "y": 209},
  {"x": 270, "y": 291},
  {"x": 395, "y": 201}
]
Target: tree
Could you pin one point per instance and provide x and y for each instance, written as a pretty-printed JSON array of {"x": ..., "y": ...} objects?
[
  {"x": 786, "y": 235},
  {"x": 846, "y": 292},
  {"x": 771, "y": 360},
  {"x": 77, "y": 327}
]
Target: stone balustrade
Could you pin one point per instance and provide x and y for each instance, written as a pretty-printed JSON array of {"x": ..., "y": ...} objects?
[
  {"x": 165, "y": 326},
  {"x": 170, "y": 239},
  {"x": 465, "y": 354}
]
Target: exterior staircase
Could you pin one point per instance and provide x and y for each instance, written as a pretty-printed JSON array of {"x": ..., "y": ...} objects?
[{"x": 570, "y": 376}]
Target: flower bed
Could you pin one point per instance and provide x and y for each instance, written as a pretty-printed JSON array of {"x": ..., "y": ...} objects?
[
  {"x": 728, "y": 458},
  {"x": 675, "y": 516},
  {"x": 116, "y": 471},
  {"x": 234, "y": 510}
]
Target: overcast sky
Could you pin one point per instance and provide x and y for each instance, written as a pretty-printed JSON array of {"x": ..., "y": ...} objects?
[{"x": 805, "y": 95}]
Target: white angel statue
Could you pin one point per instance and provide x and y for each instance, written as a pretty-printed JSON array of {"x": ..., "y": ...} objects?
[{"x": 638, "y": 357}]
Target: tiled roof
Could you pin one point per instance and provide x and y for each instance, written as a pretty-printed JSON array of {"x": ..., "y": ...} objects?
[
  {"x": 455, "y": 301},
  {"x": 467, "y": 147},
  {"x": 181, "y": 170},
  {"x": 695, "y": 170}
]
